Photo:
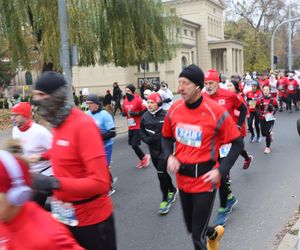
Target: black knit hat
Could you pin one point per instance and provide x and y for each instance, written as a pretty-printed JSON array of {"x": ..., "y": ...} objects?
[
  {"x": 49, "y": 82},
  {"x": 93, "y": 98},
  {"x": 131, "y": 87},
  {"x": 194, "y": 74}
]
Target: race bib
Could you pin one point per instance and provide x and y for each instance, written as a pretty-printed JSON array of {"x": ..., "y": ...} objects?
[
  {"x": 131, "y": 122},
  {"x": 252, "y": 104},
  {"x": 291, "y": 87},
  {"x": 269, "y": 117},
  {"x": 64, "y": 212},
  {"x": 224, "y": 150},
  {"x": 190, "y": 135}
]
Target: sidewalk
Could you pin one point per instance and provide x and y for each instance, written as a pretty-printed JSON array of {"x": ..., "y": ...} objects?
[{"x": 290, "y": 241}]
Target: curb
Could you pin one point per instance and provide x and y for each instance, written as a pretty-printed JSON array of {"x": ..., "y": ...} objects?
[{"x": 291, "y": 240}]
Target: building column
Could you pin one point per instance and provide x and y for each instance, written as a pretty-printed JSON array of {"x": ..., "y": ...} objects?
[
  {"x": 242, "y": 61},
  {"x": 229, "y": 62}
]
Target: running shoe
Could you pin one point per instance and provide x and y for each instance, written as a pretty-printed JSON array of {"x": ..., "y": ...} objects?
[
  {"x": 280, "y": 110},
  {"x": 114, "y": 180},
  {"x": 164, "y": 208},
  {"x": 222, "y": 217},
  {"x": 231, "y": 203},
  {"x": 252, "y": 138},
  {"x": 267, "y": 150},
  {"x": 146, "y": 161},
  {"x": 172, "y": 196},
  {"x": 111, "y": 192},
  {"x": 247, "y": 163},
  {"x": 140, "y": 164},
  {"x": 258, "y": 139},
  {"x": 214, "y": 244}
]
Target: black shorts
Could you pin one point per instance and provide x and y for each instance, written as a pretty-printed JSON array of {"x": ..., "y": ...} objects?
[{"x": 134, "y": 137}]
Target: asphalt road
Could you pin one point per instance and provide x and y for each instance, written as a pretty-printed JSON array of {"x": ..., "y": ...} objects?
[{"x": 268, "y": 195}]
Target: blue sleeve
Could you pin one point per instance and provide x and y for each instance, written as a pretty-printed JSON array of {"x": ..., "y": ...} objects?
[{"x": 108, "y": 120}]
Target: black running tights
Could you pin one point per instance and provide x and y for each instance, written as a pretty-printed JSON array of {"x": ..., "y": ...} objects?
[
  {"x": 266, "y": 129},
  {"x": 254, "y": 116},
  {"x": 139, "y": 152},
  {"x": 101, "y": 236},
  {"x": 164, "y": 178},
  {"x": 197, "y": 208}
]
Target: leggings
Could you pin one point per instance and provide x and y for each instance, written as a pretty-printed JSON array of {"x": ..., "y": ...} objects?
[
  {"x": 139, "y": 152},
  {"x": 117, "y": 106},
  {"x": 164, "y": 178},
  {"x": 101, "y": 236},
  {"x": 254, "y": 116},
  {"x": 266, "y": 128},
  {"x": 197, "y": 208},
  {"x": 292, "y": 98},
  {"x": 281, "y": 100}
]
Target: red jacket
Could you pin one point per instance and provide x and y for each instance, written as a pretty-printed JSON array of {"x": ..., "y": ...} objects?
[
  {"x": 135, "y": 105},
  {"x": 35, "y": 229}
]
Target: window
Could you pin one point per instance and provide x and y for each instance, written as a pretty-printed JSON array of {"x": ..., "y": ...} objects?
[
  {"x": 185, "y": 32},
  {"x": 183, "y": 62},
  {"x": 28, "y": 78},
  {"x": 156, "y": 67},
  {"x": 143, "y": 67},
  {"x": 192, "y": 33}
]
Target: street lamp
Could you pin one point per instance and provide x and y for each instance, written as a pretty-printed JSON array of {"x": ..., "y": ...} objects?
[{"x": 273, "y": 36}]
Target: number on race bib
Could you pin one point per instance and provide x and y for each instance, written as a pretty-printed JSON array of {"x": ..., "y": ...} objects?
[{"x": 64, "y": 212}]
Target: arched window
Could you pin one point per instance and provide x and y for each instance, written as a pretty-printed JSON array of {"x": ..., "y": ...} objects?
[
  {"x": 184, "y": 62},
  {"x": 28, "y": 78}
]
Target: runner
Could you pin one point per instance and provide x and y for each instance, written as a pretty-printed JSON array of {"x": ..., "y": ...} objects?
[
  {"x": 166, "y": 95},
  {"x": 282, "y": 94},
  {"x": 133, "y": 109},
  {"x": 291, "y": 90},
  {"x": 106, "y": 125},
  {"x": 233, "y": 86},
  {"x": 24, "y": 224},
  {"x": 151, "y": 126},
  {"x": 198, "y": 125},
  {"x": 267, "y": 106},
  {"x": 273, "y": 85},
  {"x": 81, "y": 178},
  {"x": 231, "y": 102},
  {"x": 35, "y": 140},
  {"x": 252, "y": 97}
]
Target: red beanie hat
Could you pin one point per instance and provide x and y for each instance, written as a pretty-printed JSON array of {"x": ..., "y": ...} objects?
[
  {"x": 155, "y": 97},
  {"x": 22, "y": 108},
  {"x": 5, "y": 180},
  {"x": 212, "y": 75}
]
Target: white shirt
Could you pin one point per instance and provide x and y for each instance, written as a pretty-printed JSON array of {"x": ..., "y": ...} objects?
[
  {"x": 165, "y": 94},
  {"x": 35, "y": 140}
]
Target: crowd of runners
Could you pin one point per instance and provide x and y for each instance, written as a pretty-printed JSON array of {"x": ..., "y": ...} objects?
[{"x": 198, "y": 138}]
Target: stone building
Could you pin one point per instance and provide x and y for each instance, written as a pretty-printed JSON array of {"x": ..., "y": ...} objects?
[{"x": 201, "y": 41}]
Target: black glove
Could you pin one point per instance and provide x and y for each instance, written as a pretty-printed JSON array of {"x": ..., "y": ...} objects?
[
  {"x": 44, "y": 184},
  {"x": 167, "y": 100},
  {"x": 123, "y": 113}
]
